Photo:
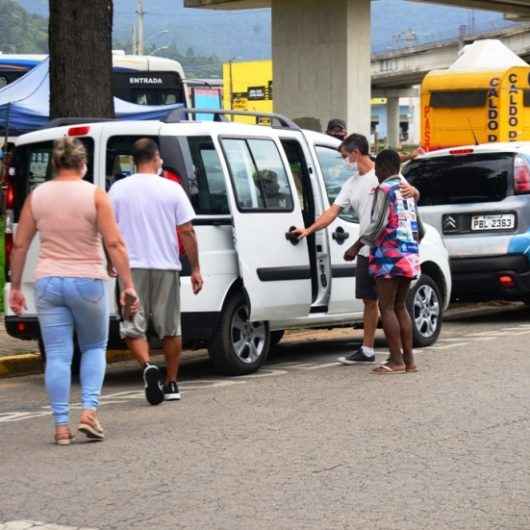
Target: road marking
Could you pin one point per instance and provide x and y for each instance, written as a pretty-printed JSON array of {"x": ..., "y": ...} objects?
[
  {"x": 265, "y": 373},
  {"x": 448, "y": 346},
  {"x": 326, "y": 365},
  {"x": 121, "y": 397},
  {"x": 486, "y": 334},
  {"x": 36, "y": 525}
]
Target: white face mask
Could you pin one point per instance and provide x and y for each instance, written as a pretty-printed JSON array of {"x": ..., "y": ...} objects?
[
  {"x": 160, "y": 171},
  {"x": 84, "y": 171},
  {"x": 352, "y": 165}
]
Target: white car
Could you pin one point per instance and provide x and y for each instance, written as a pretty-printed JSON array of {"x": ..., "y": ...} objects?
[{"x": 249, "y": 185}]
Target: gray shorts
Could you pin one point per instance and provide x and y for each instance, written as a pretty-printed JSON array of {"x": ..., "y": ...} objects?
[
  {"x": 159, "y": 293},
  {"x": 364, "y": 281}
]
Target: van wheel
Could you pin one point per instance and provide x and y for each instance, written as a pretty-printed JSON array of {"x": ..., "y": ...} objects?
[
  {"x": 426, "y": 310},
  {"x": 76, "y": 360},
  {"x": 276, "y": 337},
  {"x": 239, "y": 347}
]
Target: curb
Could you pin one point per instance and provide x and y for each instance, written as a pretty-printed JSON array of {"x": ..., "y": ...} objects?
[
  {"x": 30, "y": 363},
  {"x": 22, "y": 364},
  {"x": 469, "y": 312}
]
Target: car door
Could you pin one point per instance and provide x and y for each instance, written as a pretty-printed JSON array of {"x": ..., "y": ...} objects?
[
  {"x": 274, "y": 267},
  {"x": 343, "y": 232}
]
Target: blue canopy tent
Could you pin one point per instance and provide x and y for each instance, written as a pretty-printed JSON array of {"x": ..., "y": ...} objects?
[{"x": 25, "y": 104}]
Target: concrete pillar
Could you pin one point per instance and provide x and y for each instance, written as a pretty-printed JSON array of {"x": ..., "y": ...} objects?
[
  {"x": 392, "y": 122},
  {"x": 321, "y": 57}
]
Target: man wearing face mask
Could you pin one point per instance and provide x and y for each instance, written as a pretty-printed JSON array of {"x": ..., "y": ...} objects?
[
  {"x": 357, "y": 194},
  {"x": 150, "y": 210}
]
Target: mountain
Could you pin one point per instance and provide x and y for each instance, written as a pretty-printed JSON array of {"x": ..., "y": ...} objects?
[
  {"x": 247, "y": 35},
  {"x": 21, "y": 31}
]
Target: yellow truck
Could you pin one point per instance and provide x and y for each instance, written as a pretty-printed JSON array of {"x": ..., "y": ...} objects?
[{"x": 475, "y": 107}]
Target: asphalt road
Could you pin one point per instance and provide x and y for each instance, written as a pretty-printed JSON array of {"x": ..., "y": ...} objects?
[{"x": 304, "y": 444}]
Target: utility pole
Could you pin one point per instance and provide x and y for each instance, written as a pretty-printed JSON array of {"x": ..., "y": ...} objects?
[
  {"x": 140, "y": 27},
  {"x": 134, "y": 40}
]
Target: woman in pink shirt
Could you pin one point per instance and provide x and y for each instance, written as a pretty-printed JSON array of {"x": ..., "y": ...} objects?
[{"x": 72, "y": 216}]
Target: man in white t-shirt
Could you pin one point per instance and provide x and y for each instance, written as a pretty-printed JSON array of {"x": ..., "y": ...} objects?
[
  {"x": 357, "y": 194},
  {"x": 150, "y": 210}
]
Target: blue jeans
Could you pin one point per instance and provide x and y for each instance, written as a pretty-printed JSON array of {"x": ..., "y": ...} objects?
[{"x": 65, "y": 305}]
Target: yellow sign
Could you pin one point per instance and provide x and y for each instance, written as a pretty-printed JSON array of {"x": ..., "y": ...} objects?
[{"x": 248, "y": 87}]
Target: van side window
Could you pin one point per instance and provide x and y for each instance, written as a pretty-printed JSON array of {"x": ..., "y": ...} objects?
[
  {"x": 300, "y": 172},
  {"x": 207, "y": 188},
  {"x": 335, "y": 173},
  {"x": 259, "y": 177}
]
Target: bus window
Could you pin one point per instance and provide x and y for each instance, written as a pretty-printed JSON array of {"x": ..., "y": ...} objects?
[
  {"x": 141, "y": 99},
  {"x": 149, "y": 87}
]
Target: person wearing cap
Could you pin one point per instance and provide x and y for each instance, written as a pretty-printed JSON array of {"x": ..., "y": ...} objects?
[{"x": 337, "y": 129}]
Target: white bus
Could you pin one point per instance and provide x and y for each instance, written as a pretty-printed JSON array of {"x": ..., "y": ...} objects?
[{"x": 141, "y": 79}]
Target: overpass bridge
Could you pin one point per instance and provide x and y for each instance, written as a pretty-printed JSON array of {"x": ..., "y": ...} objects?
[{"x": 408, "y": 66}]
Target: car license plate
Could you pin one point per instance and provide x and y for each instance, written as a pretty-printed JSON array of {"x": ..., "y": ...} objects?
[{"x": 505, "y": 221}]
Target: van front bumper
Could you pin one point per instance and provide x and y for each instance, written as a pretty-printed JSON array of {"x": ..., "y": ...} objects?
[{"x": 479, "y": 278}]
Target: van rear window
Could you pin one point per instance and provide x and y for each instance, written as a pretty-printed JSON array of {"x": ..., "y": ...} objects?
[
  {"x": 33, "y": 166},
  {"x": 461, "y": 179}
]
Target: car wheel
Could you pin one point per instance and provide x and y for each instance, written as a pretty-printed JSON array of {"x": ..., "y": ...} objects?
[
  {"x": 426, "y": 310},
  {"x": 276, "y": 337},
  {"x": 76, "y": 360},
  {"x": 239, "y": 347}
]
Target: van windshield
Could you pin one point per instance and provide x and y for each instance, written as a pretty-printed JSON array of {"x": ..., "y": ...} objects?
[{"x": 482, "y": 177}]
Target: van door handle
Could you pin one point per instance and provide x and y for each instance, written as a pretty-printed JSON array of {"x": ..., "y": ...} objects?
[
  {"x": 291, "y": 236},
  {"x": 340, "y": 235}
]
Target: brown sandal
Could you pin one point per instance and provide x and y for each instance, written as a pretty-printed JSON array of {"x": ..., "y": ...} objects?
[
  {"x": 384, "y": 369},
  {"x": 91, "y": 428},
  {"x": 64, "y": 438}
]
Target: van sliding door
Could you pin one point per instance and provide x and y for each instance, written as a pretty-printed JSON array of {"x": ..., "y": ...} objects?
[{"x": 274, "y": 267}]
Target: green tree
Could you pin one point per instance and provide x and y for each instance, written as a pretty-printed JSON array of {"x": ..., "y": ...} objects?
[{"x": 21, "y": 32}]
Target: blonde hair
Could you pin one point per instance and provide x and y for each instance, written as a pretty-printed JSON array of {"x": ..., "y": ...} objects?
[{"x": 68, "y": 153}]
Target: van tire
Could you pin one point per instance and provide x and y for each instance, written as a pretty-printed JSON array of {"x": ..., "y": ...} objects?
[
  {"x": 425, "y": 306},
  {"x": 76, "y": 359},
  {"x": 222, "y": 352},
  {"x": 276, "y": 337}
]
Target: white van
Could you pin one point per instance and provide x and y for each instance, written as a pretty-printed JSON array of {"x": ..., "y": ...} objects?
[{"x": 249, "y": 185}]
